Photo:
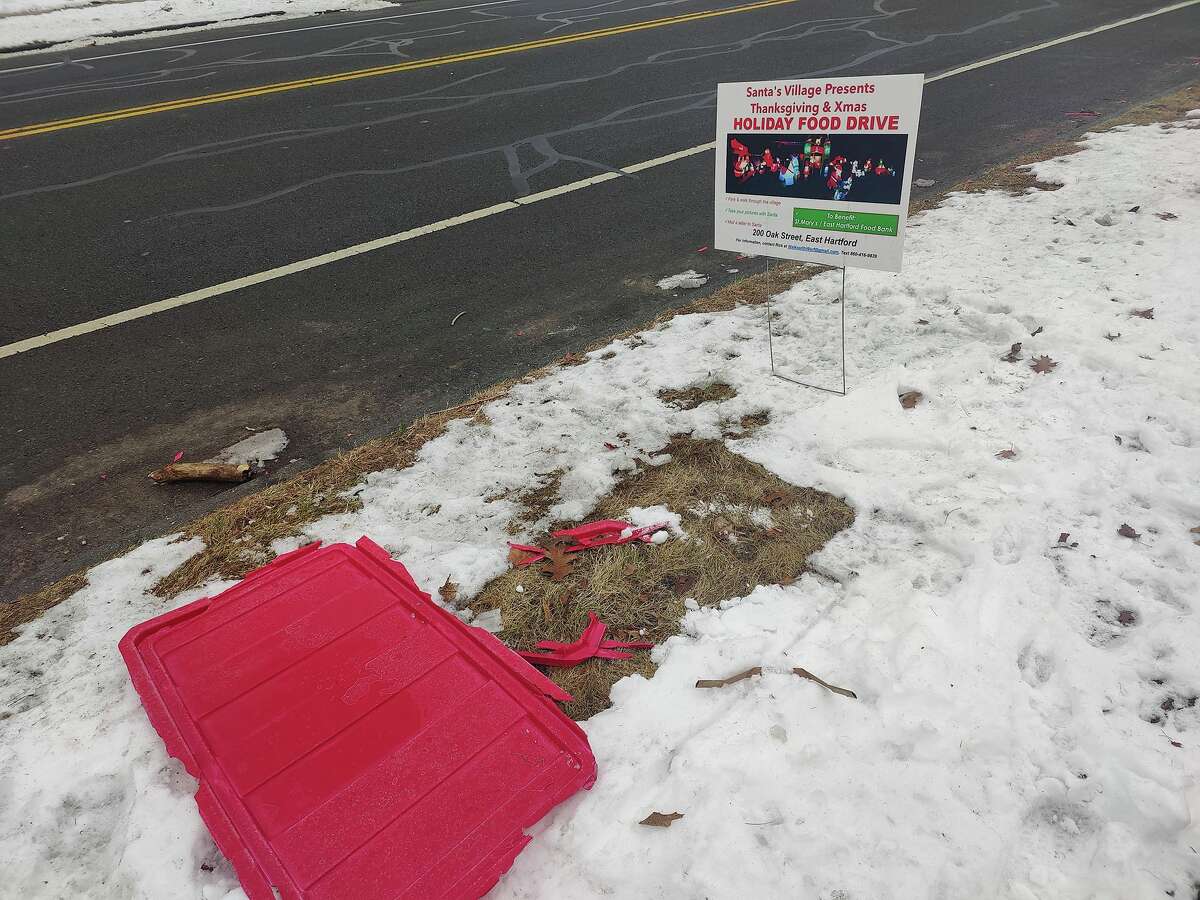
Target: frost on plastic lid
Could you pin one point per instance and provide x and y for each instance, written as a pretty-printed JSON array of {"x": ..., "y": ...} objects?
[{"x": 351, "y": 738}]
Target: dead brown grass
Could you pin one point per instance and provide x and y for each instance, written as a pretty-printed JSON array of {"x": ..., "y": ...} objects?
[
  {"x": 745, "y": 527},
  {"x": 29, "y": 607},
  {"x": 690, "y": 398}
]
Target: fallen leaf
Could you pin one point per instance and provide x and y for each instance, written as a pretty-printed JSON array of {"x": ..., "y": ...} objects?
[
  {"x": 1144, "y": 313},
  {"x": 681, "y": 584},
  {"x": 1167, "y": 216},
  {"x": 449, "y": 590},
  {"x": 804, "y": 673},
  {"x": 909, "y": 399},
  {"x": 732, "y": 679},
  {"x": 1006, "y": 454},
  {"x": 1126, "y": 530},
  {"x": 609, "y": 446},
  {"x": 516, "y": 557},
  {"x": 922, "y": 321},
  {"x": 1043, "y": 364},
  {"x": 1127, "y": 617},
  {"x": 1175, "y": 743},
  {"x": 1013, "y": 354},
  {"x": 660, "y": 820},
  {"x": 1065, "y": 542},
  {"x": 558, "y": 562},
  {"x": 774, "y": 497},
  {"x": 1036, "y": 331},
  {"x": 1112, "y": 337}
]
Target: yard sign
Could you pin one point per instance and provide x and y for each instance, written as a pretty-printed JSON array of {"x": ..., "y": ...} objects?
[{"x": 817, "y": 170}]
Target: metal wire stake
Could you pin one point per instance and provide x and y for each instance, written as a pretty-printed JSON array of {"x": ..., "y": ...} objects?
[
  {"x": 843, "y": 331},
  {"x": 771, "y": 344},
  {"x": 767, "y": 285}
]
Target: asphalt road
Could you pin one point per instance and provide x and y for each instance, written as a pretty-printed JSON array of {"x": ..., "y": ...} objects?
[{"x": 106, "y": 217}]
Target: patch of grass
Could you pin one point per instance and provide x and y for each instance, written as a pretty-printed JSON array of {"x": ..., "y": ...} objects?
[
  {"x": 690, "y": 398},
  {"x": 535, "y": 502},
  {"x": 29, "y": 607},
  {"x": 745, "y": 527}
]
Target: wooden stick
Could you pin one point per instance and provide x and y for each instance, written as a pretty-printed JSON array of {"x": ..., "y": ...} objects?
[{"x": 202, "y": 471}]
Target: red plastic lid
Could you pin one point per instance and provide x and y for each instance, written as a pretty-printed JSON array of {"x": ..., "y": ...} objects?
[{"x": 351, "y": 738}]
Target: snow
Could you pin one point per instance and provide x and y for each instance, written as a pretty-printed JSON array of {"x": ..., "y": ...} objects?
[
  {"x": 689, "y": 280},
  {"x": 258, "y": 448},
  {"x": 85, "y": 22},
  {"x": 1019, "y": 701}
]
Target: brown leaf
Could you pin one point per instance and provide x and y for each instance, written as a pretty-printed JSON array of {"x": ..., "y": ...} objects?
[
  {"x": 909, "y": 399},
  {"x": 1013, "y": 354},
  {"x": 515, "y": 556},
  {"x": 922, "y": 321},
  {"x": 732, "y": 679},
  {"x": 1036, "y": 331},
  {"x": 774, "y": 498},
  {"x": 609, "y": 446},
  {"x": 1007, "y": 454},
  {"x": 1167, "y": 216},
  {"x": 681, "y": 584},
  {"x": 804, "y": 673},
  {"x": 1043, "y": 364},
  {"x": 660, "y": 820},
  {"x": 449, "y": 590},
  {"x": 1062, "y": 537},
  {"x": 1147, "y": 313},
  {"x": 558, "y": 562},
  {"x": 1126, "y": 530}
]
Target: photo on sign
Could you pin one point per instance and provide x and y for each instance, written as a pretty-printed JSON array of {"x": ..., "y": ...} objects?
[{"x": 856, "y": 168}]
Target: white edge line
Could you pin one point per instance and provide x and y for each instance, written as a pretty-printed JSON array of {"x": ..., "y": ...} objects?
[
  {"x": 233, "y": 23},
  {"x": 992, "y": 60},
  {"x": 226, "y": 287}
]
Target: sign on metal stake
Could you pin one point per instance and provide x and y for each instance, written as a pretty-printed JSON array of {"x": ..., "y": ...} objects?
[{"x": 817, "y": 171}]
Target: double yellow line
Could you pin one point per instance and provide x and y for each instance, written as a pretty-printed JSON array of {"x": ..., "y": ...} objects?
[{"x": 280, "y": 87}]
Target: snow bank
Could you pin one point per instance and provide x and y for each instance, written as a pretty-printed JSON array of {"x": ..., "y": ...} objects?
[
  {"x": 688, "y": 281},
  {"x": 26, "y": 23},
  {"x": 1026, "y": 723},
  {"x": 258, "y": 448}
]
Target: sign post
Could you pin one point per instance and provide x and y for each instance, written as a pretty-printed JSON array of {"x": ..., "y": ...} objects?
[{"x": 818, "y": 171}]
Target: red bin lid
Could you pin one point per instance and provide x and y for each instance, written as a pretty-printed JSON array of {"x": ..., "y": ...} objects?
[{"x": 352, "y": 738}]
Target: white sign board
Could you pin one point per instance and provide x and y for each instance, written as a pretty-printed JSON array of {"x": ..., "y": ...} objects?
[{"x": 817, "y": 170}]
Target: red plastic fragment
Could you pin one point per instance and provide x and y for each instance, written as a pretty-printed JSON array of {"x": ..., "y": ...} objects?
[
  {"x": 593, "y": 534},
  {"x": 351, "y": 738},
  {"x": 591, "y": 644}
]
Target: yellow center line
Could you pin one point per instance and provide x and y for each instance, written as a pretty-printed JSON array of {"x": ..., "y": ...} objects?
[{"x": 279, "y": 87}]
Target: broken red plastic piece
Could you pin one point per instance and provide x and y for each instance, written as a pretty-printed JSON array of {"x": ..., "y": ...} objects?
[
  {"x": 594, "y": 534},
  {"x": 591, "y": 644},
  {"x": 350, "y": 737}
]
